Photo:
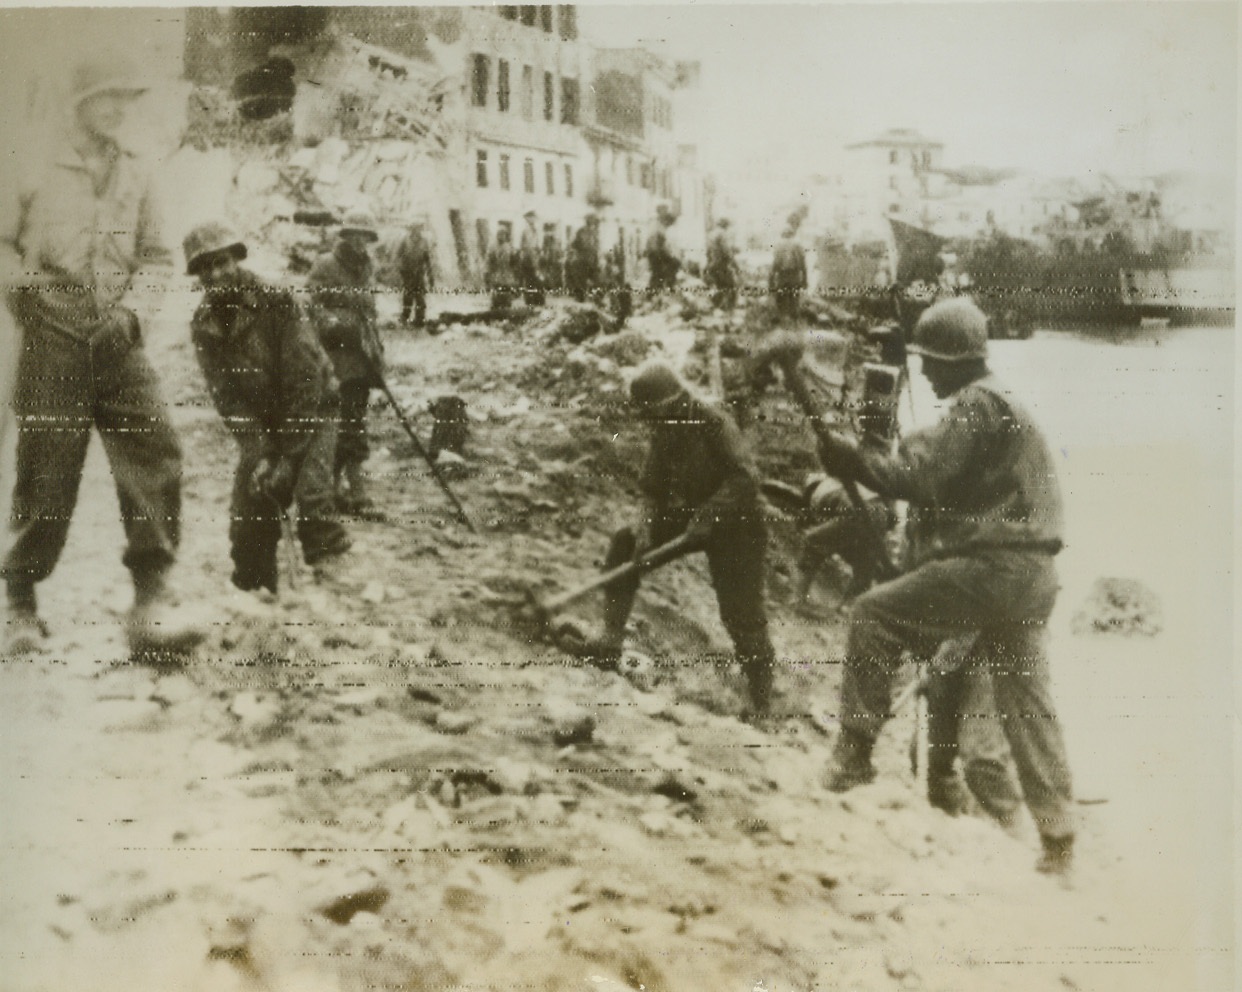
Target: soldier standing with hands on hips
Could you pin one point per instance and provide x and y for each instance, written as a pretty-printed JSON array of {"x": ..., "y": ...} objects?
[{"x": 72, "y": 238}]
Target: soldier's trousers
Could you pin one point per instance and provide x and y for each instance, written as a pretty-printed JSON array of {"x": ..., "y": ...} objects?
[
  {"x": 255, "y": 520},
  {"x": 736, "y": 559},
  {"x": 65, "y": 386},
  {"x": 1006, "y": 596},
  {"x": 414, "y": 301},
  {"x": 788, "y": 303},
  {"x": 352, "y": 447}
]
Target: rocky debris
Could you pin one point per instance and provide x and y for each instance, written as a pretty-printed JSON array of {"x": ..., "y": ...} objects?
[{"x": 1119, "y": 606}]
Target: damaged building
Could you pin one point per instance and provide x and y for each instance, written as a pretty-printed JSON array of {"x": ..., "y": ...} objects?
[{"x": 465, "y": 117}]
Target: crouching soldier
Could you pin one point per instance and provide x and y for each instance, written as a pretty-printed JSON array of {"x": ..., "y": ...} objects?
[
  {"x": 273, "y": 385},
  {"x": 343, "y": 312},
  {"x": 700, "y": 483}
]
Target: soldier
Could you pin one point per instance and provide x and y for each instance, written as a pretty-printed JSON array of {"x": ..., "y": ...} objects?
[
  {"x": 551, "y": 264},
  {"x": 342, "y": 297},
  {"x": 528, "y": 262},
  {"x": 787, "y": 278},
  {"x": 417, "y": 269},
  {"x": 502, "y": 274},
  {"x": 987, "y": 524},
  {"x": 616, "y": 283},
  {"x": 72, "y": 237},
  {"x": 582, "y": 273},
  {"x": 699, "y": 481},
  {"x": 721, "y": 273},
  {"x": 662, "y": 263},
  {"x": 272, "y": 384}
]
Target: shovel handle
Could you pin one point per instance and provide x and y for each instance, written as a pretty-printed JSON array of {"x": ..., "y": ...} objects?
[{"x": 652, "y": 559}]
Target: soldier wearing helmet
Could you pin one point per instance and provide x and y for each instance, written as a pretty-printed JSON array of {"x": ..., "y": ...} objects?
[
  {"x": 273, "y": 385},
  {"x": 699, "y": 482},
  {"x": 986, "y": 523},
  {"x": 342, "y": 309},
  {"x": 73, "y": 233}
]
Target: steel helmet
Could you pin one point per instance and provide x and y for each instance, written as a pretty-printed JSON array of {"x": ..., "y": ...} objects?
[
  {"x": 953, "y": 330},
  {"x": 207, "y": 240},
  {"x": 654, "y": 384},
  {"x": 359, "y": 222},
  {"x": 105, "y": 73}
]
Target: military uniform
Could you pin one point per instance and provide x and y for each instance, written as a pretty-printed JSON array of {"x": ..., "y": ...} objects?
[
  {"x": 662, "y": 264},
  {"x": 787, "y": 278},
  {"x": 698, "y": 469},
  {"x": 502, "y": 275},
  {"x": 721, "y": 273},
  {"x": 528, "y": 267},
  {"x": 342, "y": 297},
  {"x": 986, "y": 523},
  {"x": 582, "y": 273},
  {"x": 417, "y": 276},
  {"x": 82, "y": 228},
  {"x": 273, "y": 385}
]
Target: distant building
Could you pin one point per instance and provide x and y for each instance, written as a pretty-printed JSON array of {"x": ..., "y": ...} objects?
[
  {"x": 637, "y": 155},
  {"x": 891, "y": 175}
]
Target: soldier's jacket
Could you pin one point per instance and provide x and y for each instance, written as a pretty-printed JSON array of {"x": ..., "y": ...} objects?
[
  {"x": 414, "y": 260},
  {"x": 982, "y": 477},
  {"x": 342, "y": 309},
  {"x": 266, "y": 371},
  {"x": 721, "y": 263},
  {"x": 788, "y": 266},
  {"x": 699, "y": 463},
  {"x": 502, "y": 267}
]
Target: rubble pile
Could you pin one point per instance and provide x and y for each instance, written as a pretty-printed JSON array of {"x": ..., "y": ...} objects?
[{"x": 1119, "y": 606}]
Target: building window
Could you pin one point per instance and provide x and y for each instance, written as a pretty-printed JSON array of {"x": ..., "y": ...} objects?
[
  {"x": 528, "y": 92},
  {"x": 549, "y": 178},
  {"x": 509, "y": 13},
  {"x": 481, "y": 232},
  {"x": 528, "y": 175},
  {"x": 568, "y": 21},
  {"x": 629, "y": 170},
  {"x": 569, "y": 179},
  {"x": 545, "y": 18},
  {"x": 892, "y": 182},
  {"x": 480, "y": 168},
  {"x": 644, "y": 175},
  {"x": 502, "y": 84},
  {"x": 892, "y": 157},
  {"x": 549, "y": 235},
  {"x": 529, "y": 15},
  {"x": 504, "y": 227},
  {"x": 569, "y": 101},
  {"x": 504, "y": 171},
  {"x": 478, "y": 80},
  {"x": 549, "y": 97}
]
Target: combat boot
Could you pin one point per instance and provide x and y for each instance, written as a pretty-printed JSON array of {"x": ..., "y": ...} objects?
[
  {"x": 155, "y": 625},
  {"x": 1058, "y": 856},
  {"x": 24, "y": 631},
  {"x": 359, "y": 503},
  {"x": 851, "y": 762}
]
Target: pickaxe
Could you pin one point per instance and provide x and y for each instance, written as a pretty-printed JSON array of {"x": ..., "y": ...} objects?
[{"x": 785, "y": 352}]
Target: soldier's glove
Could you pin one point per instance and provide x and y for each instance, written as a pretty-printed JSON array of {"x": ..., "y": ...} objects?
[
  {"x": 274, "y": 478},
  {"x": 839, "y": 455}
]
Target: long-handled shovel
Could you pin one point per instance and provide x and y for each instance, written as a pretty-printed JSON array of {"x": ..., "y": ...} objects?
[{"x": 542, "y": 611}]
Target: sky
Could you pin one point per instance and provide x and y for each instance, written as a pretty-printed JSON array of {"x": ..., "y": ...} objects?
[{"x": 1059, "y": 88}]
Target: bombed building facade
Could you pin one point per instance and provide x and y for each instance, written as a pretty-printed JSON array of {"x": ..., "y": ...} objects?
[{"x": 464, "y": 117}]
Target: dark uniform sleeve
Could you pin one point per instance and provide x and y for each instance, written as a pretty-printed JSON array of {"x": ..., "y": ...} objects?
[
  {"x": 305, "y": 381},
  {"x": 236, "y": 413},
  {"x": 927, "y": 461}
]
